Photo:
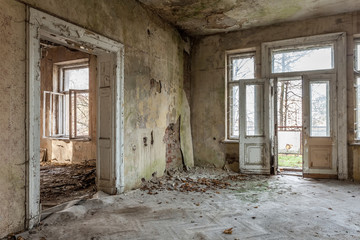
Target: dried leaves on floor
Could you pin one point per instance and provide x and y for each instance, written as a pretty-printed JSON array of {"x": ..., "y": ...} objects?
[
  {"x": 62, "y": 183},
  {"x": 228, "y": 231}
]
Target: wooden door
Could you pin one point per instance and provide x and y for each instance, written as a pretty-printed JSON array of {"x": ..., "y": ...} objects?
[
  {"x": 105, "y": 164},
  {"x": 254, "y": 144},
  {"x": 319, "y": 126}
]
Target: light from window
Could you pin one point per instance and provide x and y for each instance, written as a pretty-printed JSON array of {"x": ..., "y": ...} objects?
[
  {"x": 254, "y": 110},
  {"x": 357, "y": 109},
  {"x": 319, "y": 109},
  {"x": 81, "y": 122},
  {"x": 242, "y": 67},
  {"x": 69, "y": 109},
  {"x": 357, "y": 58},
  {"x": 303, "y": 59},
  {"x": 76, "y": 78},
  {"x": 357, "y": 90},
  {"x": 234, "y": 111}
]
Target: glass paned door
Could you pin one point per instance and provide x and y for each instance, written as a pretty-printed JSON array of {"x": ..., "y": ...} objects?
[
  {"x": 254, "y": 144},
  {"x": 319, "y": 125}
]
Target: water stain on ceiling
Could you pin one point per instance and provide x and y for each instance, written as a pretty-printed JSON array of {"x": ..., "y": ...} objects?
[{"x": 203, "y": 17}]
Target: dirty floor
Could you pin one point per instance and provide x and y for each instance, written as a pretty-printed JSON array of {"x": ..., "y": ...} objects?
[
  {"x": 213, "y": 204},
  {"x": 61, "y": 183}
]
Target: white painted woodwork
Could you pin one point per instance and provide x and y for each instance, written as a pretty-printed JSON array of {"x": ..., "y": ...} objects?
[
  {"x": 320, "y": 153},
  {"x": 44, "y": 26},
  {"x": 273, "y": 111},
  {"x": 105, "y": 164},
  {"x": 254, "y": 150},
  {"x": 339, "y": 160}
]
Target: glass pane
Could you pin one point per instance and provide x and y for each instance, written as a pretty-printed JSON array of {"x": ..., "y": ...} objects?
[
  {"x": 72, "y": 99},
  {"x": 319, "y": 109},
  {"x": 82, "y": 114},
  {"x": 357, "y": 109},
  {"x": 234, "y": 111},
  {"x": 254, "y": 110},
  {"x": 65, "y": 114},
  {"x": 242, "y": 68},
  {"x": 306, "y": 59},
  {"x": 289, "y": 105},
  {"x": 357, "y": 62},
  {"x": 76, "y": 78}
]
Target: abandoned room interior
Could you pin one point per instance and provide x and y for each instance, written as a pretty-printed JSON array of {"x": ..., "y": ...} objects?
[{"x": 151, "y": 119}]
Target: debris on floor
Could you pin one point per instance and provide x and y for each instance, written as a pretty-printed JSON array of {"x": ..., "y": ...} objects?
[
  {"x": 60, "y": 183},
  {"x": 190, "y": 181},
  {"x": 228, "y": 231},
  {"x": 251, "y": 207}
]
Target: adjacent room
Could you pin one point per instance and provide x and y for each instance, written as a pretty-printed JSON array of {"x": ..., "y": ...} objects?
[
  {"x": 152, "y": 119},
  {"x": 68, "y": 124}
]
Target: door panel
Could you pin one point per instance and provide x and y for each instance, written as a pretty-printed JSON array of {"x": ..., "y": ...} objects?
[
  {"x": 273, "y": 126},
  {"x": 105, "y": 164},
  {"x": 319, "y": 126},
  {"x": 254, "y": 128}
]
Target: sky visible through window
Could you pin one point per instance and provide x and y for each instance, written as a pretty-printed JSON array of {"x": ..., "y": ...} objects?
[
  {"x": 296, "y": 60},
  {"x": 76, "y": 78},
  {"x": 243, "y": 68}
]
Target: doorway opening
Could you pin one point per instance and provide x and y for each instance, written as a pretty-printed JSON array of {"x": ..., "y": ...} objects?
[
  {"x": 289, "y": 125},
  {"x": 43, "y": 29},
  {"x": 68, "y": 124}
]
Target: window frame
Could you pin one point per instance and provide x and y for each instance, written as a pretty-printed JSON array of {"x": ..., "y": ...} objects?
[
  {"x": 61, "y": 114},
  {"x": 298, "y": 47},
  {"x": 356, "y": 75},
  {"x": 229, "y": 83}
]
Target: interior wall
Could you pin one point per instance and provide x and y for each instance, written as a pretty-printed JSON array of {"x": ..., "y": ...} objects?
[
  {"x": 208, "y": 83},
  {"x": 12, "y": 116},
  {"x": 153, "y": 53},
  {"x": 67, "y": 151}
]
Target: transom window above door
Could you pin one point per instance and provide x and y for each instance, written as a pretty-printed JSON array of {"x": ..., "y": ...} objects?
[{"x": 303, "y": 58}]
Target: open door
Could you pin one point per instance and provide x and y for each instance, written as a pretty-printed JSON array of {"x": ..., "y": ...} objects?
[
  {"x": 105, "y": 171},
  {"x": 273, "y": 126},
  {"x": 254, "y": 144},
  {"x": 319, "y": 126}
]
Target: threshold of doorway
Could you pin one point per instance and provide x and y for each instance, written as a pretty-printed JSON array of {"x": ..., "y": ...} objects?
[{"x": 290, "y": 171}]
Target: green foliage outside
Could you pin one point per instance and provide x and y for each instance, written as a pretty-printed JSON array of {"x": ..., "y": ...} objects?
[{"x": 290, "y": 160}]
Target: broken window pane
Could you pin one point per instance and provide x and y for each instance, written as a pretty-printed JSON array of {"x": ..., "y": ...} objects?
[
  {"x": 319, "y": 109},
  {"x": 242, "y": 67},
  {"x": 303, "y": 59},
  {"x": 76, "y": 78},
  {"x": 254, "y": 110},
  {"x": 234, "y": 111}
]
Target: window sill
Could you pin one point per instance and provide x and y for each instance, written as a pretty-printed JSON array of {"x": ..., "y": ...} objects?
[
  {"x": 230, "y": 141},
  {"x": 69, "y": 139}
]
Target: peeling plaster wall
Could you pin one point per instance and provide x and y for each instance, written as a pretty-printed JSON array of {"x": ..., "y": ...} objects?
[
  {"x": 208, "y": 83},
  {"x": 153, "y": 50},
  {"x": 12, "y": 116}
]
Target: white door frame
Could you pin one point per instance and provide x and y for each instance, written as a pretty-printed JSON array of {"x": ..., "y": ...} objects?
[
  {"x": 44, "y": 26},
  {"x": 339, "y": 42}
]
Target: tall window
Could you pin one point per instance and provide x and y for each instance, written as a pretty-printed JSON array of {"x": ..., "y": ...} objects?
[
  {"x": 240, "y": 67},
  {"x": 68, "y": 108},
  {"x": 357, "y": 89}
]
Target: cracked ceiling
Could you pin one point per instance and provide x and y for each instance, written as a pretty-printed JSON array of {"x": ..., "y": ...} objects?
[{"x": 203, "y": 17}]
